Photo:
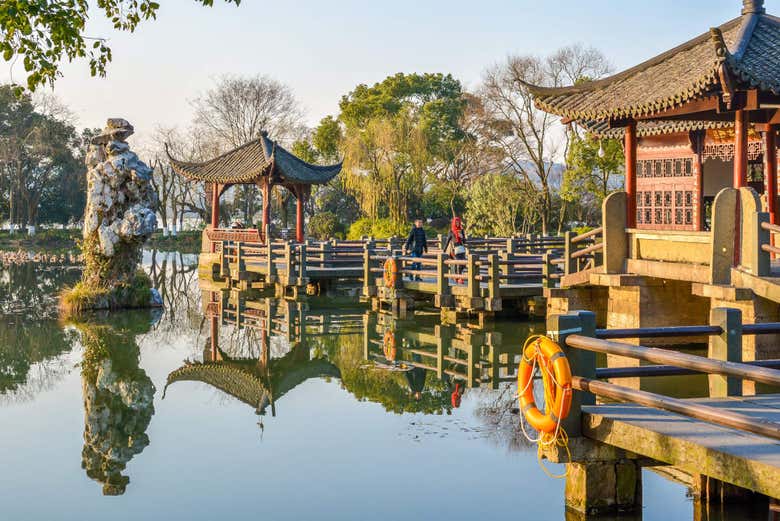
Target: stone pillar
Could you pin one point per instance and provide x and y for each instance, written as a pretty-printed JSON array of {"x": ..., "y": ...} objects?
[{"x": 604, "y": 487}]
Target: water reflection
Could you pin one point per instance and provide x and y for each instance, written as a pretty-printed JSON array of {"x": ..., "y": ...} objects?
[
  {"x": 260, "y": 348},
  {"x": 31, "y": 339},
  {"x": 118, "y": 398}
]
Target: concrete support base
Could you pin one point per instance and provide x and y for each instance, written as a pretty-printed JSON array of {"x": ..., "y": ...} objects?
[
  {"x": 561, "y": 301},
  {"x": 598, "y": 488}
]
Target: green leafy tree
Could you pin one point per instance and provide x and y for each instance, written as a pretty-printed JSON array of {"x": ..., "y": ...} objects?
[
  {"x": 495, "y": 204},
  {"x": 594, "y": 169},
  {"x": 43, "y": 33},
  {"x": 397, "y": 136},
  {"x": 40, "y": 159}
]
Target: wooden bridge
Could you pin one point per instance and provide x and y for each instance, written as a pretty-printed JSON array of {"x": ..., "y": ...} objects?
[
  {"x": 497, "y": 273},
  {"x": 727, "y": 444}
]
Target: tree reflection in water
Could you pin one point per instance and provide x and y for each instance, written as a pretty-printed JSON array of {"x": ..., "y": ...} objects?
[
  {"x": 118, "y": 398},
  {"x": 32, "y": 341}
]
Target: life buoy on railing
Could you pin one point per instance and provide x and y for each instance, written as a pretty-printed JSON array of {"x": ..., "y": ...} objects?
[
  {"x": 388, "y": 346},
  {"x": 541, "y": 352},
  {"x": 391, "y": 272}
]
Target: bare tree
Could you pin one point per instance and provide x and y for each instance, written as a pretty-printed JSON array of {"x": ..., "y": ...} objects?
[{"x": 530, "y": 139}]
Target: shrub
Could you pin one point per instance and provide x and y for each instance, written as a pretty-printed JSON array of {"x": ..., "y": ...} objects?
[{"x": 326, "y": 225}]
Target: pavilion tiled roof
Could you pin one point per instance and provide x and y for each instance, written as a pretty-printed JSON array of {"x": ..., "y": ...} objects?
[
  {"x": 249, "y": 162},
  {"x": 748, "y": 46}
]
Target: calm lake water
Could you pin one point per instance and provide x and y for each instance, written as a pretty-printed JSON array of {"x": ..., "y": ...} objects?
[{"x": 335, "y": 413}]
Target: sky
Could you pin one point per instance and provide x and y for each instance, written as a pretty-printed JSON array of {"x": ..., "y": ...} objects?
[{"x": 323, "y": 49}]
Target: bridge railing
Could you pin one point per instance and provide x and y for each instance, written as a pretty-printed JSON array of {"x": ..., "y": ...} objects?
[
  {"x": 483, "y": 273},
  {"x": 582, "y": 252},
  {"x": 581, "y": 342}
]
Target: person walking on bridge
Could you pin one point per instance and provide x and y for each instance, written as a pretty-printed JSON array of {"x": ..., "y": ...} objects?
[
  {"x": 456, "y": 243},
  {"x": 416, "y": 245}
]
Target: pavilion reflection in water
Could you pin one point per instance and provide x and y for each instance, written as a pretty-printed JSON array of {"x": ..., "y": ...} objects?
[{"x": 259, "y": 349}]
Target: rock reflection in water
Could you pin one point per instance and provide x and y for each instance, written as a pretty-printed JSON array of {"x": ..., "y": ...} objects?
[{"x": 118, "y": 401}]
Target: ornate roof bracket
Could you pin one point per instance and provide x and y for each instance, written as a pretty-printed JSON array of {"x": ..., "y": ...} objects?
[{"x": 727, "y": 86}]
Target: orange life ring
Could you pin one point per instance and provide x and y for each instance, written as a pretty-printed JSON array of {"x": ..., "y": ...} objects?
[
  {"x": 388, "y": 346},
  {"x": 391, "y": 272},
  {"x": 556, "y": 374}
]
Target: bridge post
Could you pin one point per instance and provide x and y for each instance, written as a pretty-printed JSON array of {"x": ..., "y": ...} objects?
[
  {"x": 271, "y": 272},
  {"x": 727, "y": 347},
  {"x": 288, "y": 262},
  {"x": 369, "y": 290},
  {"x": 547, "y": 269},
  {"x": 570, "y": 264},
  {"x": 444, "y": 335},
  {"x": 494, "y": 282},
  {"x": 302, "y": 264},
  {"x": 582, "y": 363},
  {"x": 599, "y": 480},
  {"x": 473, "y": 283}
]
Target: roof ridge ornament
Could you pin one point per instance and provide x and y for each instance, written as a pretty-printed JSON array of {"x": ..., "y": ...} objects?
[{"x": 753, "y": 7}]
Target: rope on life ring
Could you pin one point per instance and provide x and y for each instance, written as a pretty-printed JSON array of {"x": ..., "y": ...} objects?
[
  {"x": 546, "y": 355},
  {"x": 388, "y": 346},
  {"x": 391, "y": 272}
]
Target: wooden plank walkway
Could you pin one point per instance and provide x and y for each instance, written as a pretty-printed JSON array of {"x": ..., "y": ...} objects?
[{"x": 747, "y": 460}]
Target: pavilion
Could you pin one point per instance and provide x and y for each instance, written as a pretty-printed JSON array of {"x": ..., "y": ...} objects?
[
  {"x": 699, "y": 118},
  {"x": 262, "y": 162}
]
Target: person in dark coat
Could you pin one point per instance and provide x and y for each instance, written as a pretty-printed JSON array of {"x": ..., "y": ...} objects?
[
  {"x": 456, "y": 242},
  {"x": 416, "y": 245}
]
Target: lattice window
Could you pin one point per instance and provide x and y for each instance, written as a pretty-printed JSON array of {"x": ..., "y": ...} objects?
[
  {"x": 658, "y": 168},
  {"x": 688, "y": 198},
  {"x": 667, "y": 216},
  {"x": 678, "y": 198},
  {"x": 678, "y": 216},
  {"x": 658, "y": 197},
  {"x": 639, "y": 217},
  {"x": 689, "y": 217},
  {"x": 667, "y": 199}
]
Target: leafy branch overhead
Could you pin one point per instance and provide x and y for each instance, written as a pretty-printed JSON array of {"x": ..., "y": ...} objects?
[{"x": 43, "y": 32}]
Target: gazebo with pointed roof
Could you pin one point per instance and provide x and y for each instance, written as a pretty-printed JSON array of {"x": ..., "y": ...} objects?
[
  {"x": 262, "y": 162},
  {"x": 716, "y": 96}
]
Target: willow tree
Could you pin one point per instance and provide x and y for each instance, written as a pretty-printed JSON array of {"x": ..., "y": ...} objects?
[{"x": 396, "y": 139}]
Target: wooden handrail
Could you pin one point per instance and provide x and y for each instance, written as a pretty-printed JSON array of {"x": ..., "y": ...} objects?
[{"x": 686, "y": 361}]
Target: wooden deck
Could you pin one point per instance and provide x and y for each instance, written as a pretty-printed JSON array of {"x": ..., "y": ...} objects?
[{"x": 746, "y": 460}]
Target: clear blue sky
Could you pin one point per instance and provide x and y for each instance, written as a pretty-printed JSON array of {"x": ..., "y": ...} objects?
[{"x": 323, "y": 48}]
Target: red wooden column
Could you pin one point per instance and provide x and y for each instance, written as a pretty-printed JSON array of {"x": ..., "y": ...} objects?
[
  {"x": 214, "y": 211},
  {"x": 630, "y": 152},
  {"x": 214, "y": 338},
  {"x": 214, "y": 205},
  {"x": 740, "y": 149},
  {"x": 266, "y": 208},
  {"x": 770, "y": 171},
  {"x": 300, "y": 195}
]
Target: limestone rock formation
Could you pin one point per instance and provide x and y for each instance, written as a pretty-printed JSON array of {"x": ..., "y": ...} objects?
[
  {"x": 121, "y": 202},
  {"x": 118, "y": 219}
]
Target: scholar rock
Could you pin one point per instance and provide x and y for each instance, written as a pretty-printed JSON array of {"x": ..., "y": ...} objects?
[{"x": 121, "y": 202}]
